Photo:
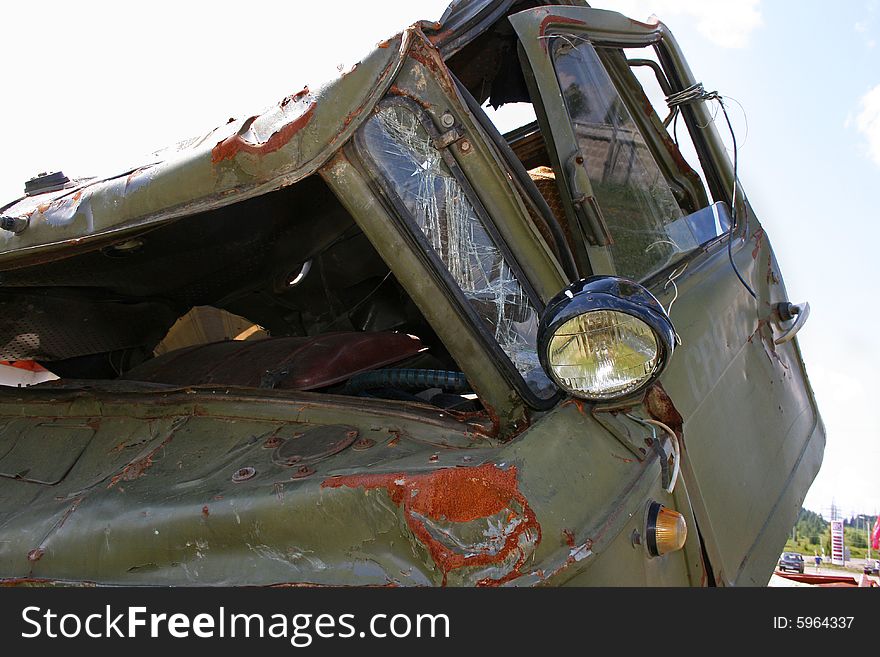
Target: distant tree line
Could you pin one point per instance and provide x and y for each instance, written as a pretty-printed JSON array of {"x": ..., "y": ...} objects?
[
  {"x": 812, "y": 532},
  {"x": 811, "y": 526}
]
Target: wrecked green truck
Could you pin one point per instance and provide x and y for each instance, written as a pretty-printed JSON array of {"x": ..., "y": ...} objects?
[{"x": 364, "y": 338}]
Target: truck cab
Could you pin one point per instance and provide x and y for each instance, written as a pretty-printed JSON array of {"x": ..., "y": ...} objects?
[{"x": 365, "y": 338}]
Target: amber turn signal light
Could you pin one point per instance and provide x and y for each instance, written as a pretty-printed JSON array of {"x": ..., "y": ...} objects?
[{"x": 667, "y": 530}]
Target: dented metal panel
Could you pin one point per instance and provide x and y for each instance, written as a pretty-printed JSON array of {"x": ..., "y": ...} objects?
[
  {"x": 210, "y": 466},
  {"x": 234, "y": 162},
  {"x": 155, "y": 498}
]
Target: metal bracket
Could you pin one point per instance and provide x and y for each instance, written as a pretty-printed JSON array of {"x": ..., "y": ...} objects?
[
  {"x": 448, "y": 138},
  {"x": 586, "y": 208},
  {"x": 629, "y": 433},
  {"x": 787, "y": 311},
  {"x": 14, "y": 225}
]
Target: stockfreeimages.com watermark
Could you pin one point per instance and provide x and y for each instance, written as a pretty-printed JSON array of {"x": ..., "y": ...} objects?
[{"x": 300, "y": 629}]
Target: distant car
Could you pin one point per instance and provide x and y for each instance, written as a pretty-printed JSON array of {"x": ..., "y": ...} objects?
[
  {"x": 872, "y": 567},
  {"x": 791, "y": 561}
]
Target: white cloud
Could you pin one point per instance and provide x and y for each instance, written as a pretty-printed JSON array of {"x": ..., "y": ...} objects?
[
  {"x": 868, "y": 122},
  {"x": 726, "y": 23}
]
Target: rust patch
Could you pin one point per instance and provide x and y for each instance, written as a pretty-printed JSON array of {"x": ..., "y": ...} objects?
[
  {"x": 232, "y": 146},
  {"x": 424, "y": 58},
  {"x": 554, "y": 20},
  {"x": 457, "y": 495},
  {"x": 37, "y": 553},
  {"x": 427, "y": 55},
  {"x": 569, "y": 537},
  {"x": 397, "y": 91},
  {"x": 767, "y": 342},
  {"x": 579, "y": 404},
  {"x": 130, "y": 177},
  {"x": 759, "y": 238},
  {"x": 39, "y": 581},
  {"x": 772, "y": 278},
  {"x": 351, "y": 116},
  {"x": 73, "y": 507},
  {"x": 579, "y": 552},
  {"x": 660, "y": 407},
  {"x": 682, "y": 164},
  {"x": 136, "y": 469},
  {"x": 299, "y": 95},
  {"x": 495, "y": 420},
  {"x": 439, "y": 38}
]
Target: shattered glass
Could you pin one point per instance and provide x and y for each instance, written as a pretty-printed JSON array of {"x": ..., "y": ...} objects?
[{"x": 402, "y": 148}]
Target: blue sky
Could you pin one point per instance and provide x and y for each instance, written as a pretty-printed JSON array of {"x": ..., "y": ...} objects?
[
  {"x": 811, "y": 175},
  {"x": 93, "y": 86}
]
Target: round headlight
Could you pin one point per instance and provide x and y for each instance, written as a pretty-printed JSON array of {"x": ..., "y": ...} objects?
[{"x": 604, "y": 338}]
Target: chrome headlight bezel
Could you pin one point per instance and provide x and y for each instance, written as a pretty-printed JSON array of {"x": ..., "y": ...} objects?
[{"x": 606, "y": 293}]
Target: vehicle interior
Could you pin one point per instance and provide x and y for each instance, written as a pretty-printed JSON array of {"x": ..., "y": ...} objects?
[{"x": 285, "y": 284}]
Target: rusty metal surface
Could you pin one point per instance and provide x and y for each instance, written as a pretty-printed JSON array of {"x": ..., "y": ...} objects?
[
  {"x": 231, "y": 163},
  {"x": 209, "y": 479},
  {"x": 314, "y": 445},
  {"x": 183, "y": 490},
  {"x": 482, "y": 501},
  {"x": 290, "y": 363}
]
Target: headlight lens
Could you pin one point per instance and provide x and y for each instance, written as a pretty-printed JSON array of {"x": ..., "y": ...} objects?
[
  {"x": 603, "y": 354},
  {"x": 604, "y": 339}
]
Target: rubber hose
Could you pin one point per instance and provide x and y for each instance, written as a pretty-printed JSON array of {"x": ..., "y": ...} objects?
[{"x": 408, "y": 379}]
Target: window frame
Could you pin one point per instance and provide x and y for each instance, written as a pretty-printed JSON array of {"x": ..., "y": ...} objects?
[
  {"x": 415, "y": 237},
  {"x": 625, "y": 96},
  {"x": 609, "y": 30}
]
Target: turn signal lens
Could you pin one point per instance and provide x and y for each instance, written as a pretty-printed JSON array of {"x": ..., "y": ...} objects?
[
  {"x": 667, "y": 530},
  {"x": 603, "y": 354}
]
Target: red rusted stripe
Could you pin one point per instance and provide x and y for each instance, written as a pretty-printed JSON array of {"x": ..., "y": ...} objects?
[
  {"x": 456, "y": 495},
  {"x": 232, "y": 146}
]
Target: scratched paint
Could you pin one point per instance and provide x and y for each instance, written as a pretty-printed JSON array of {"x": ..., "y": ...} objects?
[
  {"x": 266, "y": 133},
  {"x": 137, "y": 468},
  {"x": 465, "y": 517}
]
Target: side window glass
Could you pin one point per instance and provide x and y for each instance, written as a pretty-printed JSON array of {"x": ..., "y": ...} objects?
[
  {"x": 649, "y": 229},
  {"x": 646, "y": 69}
]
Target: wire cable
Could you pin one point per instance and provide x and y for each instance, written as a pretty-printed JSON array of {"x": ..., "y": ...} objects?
[
  {"x": 676, "y": 449},
  {"x": 691, "y": 95}
]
